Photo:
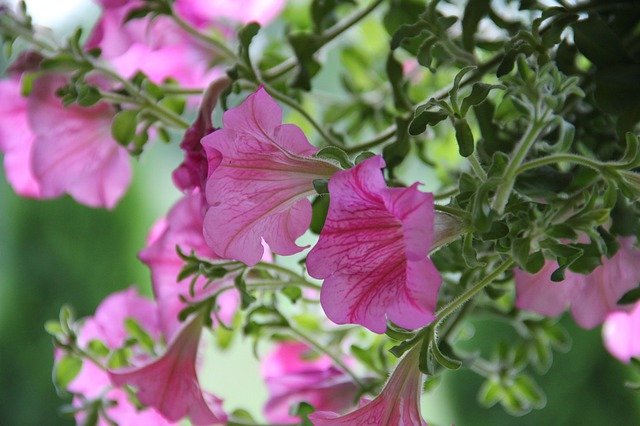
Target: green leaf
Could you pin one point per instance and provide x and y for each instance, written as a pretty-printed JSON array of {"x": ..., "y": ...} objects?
[
  {"x": 479, "y": 93},
  {"x": 527, "y": 390},
  {"x": 139, "y": 334},
  {"x": 336, "y": 155},
  {"x": 319, "y": 210},
  {"x": 534, "y": 263},
  {"x": 363, "y": 156},
  {"x": 321, "y": 186},
  {"x": 26, "y": 83},
  {"x": 305, "y": 46},
  {"x": 247, "y": 33},
  {"x": 630, "y": 297},
  {"x": 245, "y": 298},
  {"x": 464, "y": 137},
  {"x": 123, "y": 127},
  {"x": 474, "y": 11},
  {"x": 396, "y": 78},
  {"x": 65, "y": 370},
  {"x": 395, "y": 153},
  {"x": 490, "y": 393},
  {"x": 444, "y": 360},
  {"x": 599, "y": 43},
  {"x": 423, "y": 119},
  {"x": 302, "y": 410},
  {"x": 293, "y": 293}
]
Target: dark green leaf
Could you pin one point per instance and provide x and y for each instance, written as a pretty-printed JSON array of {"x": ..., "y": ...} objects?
[
  {"x": 464, "y": 137},
  {"x": 337, "y": 155},
  {"x": 123, "y": 127},
  {"x": 319, "y": 210}
]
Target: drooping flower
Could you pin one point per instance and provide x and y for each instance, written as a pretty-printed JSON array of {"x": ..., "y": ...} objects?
[
  {"x": 73, "y": 151},
  {"x": 260, "y": 186},
  {"x": 92, "y": 382},
  {"x": 291, "y": 378},
  {"x": 621, "y": 332},
  {"x": 170, "y": 383},
  {"x": 182, "y": 228},
  {"x": 16, "y": 139},
  {"x": 398, "y": 404},
  {"x": 372, "y": 252},
  {"x": 590, "y": 297}
]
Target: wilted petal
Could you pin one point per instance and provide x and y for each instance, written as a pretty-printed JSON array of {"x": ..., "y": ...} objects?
[
  {"x": 591, "y": 297},
  {"x": 16, "y": 139},
  {"x": 170, "y": 383},
  {"x": 372, "y": 252},
  {"x": 73, "y": 151},
  {"x": 291, "y": 378},
  {"x": 260, "y": 186},
  {"x": 397, "y": 405},
  {"x": 621, "y": 333}
]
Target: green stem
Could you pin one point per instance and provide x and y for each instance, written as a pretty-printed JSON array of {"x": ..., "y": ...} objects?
[
  {"x": 319, "y": 347},
  {"x": 469, "y": 293},
  {"x": 7, "y": 26},
  {"x": 476, "y": 166},
  {"x": 281, "y": 269},
  {"x": 446, "y": 194},
  {"x": 177, "y": 90},
  {"x": 453, "y": 211},
  {"x": 536, "y": 126},
  {"x": 216, "y": 44},
  {"x": 562, "y": 158},
  {"x": 375, "y": 141}
]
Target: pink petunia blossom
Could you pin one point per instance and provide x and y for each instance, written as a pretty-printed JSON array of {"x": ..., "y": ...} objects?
[
  {"x": 108, "y": 326},
  {"x": 200, "y": 12},
  {"x": 170, "y": 383},
  {"x": 590, "y": 297},
  {"x": 182, "y": 228},
  {"x": 621, "y": 332},
  {"x": 73, "y": 151},
  {"x": 291, "y": 379},
  {"x": 398, "y": 404},
  {"x": 16, "y": 139},
  {"x": 260, "y": 186},
  {"x": 372, "y": 252}
]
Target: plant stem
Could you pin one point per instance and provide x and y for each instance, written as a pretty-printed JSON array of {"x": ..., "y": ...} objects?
[
  {"x": 469, "y": 293},
  {"x": 375, "y": 141},
  {"x": 277, "y": 268},
  {"x": 560, "y": 158},
  {"x": 216, "y": 44},
  {"x": 453, "y": 211},
  {"x": 446, "y": 194},
  {"x": 535, "y": 127},
  {"x": 319, "y": 347},
  {"x": 476, "y": 166}
]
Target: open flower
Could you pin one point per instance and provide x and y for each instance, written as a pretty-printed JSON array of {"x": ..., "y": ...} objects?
[
  {"x": 92, "y": 382},
  {"x": 590, "y": 297},
  {"x": 170, "y": 383},
  {"x": 372, "y": 252},
  {"x": 258, "y": 189},
  {"x": 621, "y": 333},
  {"x": 398, "y": 404},
  {"x": 243, "y": 11},
  {"x": 291, "y": 378}
]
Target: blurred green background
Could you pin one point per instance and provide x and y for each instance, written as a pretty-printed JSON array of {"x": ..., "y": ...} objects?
[{"x": 56, "y": 252}]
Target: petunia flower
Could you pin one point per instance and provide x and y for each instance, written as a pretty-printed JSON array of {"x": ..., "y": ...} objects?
[
  {"x": 170, "y": 383},
  {"x": 242, "y": 11},
  {"x": 591, "y": 297},
  {"x": 291, "y": 378},
  {"x": 258, "y": 190},
  {"x": 372, "y": 252},
  {"x": 398, "y": 404},
  {"x": 92, "y": 382},
  {"x": 73, "y": 151},
  {"x": 621, "y": 332},
  {"x": 181, "y": 228},
  {"x": 16, "y": 139}
]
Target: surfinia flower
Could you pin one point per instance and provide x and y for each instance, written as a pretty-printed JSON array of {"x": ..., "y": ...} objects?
[
  {"x": 92, "y": 382},
  {"x": 182, "y": 228},
  {"x": 16, "y": 139},
  {"x": 258, "y": 189},
  {"x": 621, "y": 332},
  {"x": 590, "y": 297},
  {"x": 292, "y": 377},
  {"x": 372, "y": 252},
  {"x": 170, "y": 383},
  {"x": 200, "y": 12},
  {"x": 73, "y": 151},
  {"x": 398, "y": 404}
]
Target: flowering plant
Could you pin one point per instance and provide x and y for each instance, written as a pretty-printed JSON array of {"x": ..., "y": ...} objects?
[{"x": 306, "y": 232}]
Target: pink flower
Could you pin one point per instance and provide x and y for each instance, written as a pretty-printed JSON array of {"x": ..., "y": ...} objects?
[
  {"x": 398, "y": 404},
  {"x": 108, "y": 326},
  {"x": 193, "y": 171},
  {"x": 16, "y": 139},
  {"x": 291, "y": 379},
  {"x": 621, "y": 333},
  {"x": 372, "y": 252},
  {"x": 73, "y": 151},
  {"x": 242, "y": 11},
  {"x": 170, "y": 383},
  {"x": 590, "y": 297},
  {"x": 260, "y": 186},
  {"x": 183, "y": 228}
]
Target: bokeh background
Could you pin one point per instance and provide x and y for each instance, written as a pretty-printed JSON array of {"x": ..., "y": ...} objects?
[{"x": 58, "y": 252}]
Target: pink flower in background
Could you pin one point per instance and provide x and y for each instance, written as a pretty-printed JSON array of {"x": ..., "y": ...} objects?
[
  {"x": 201, "y": 12},
  {"x": 16, "y": 139},
  {"x": 590, "y": 297},
  {"x": 73, "y": 151},
  {"x": 372, "y": 252},
  {"x": 170, "y": 383},
  {"x": 183, "y": 228},
  {"x": 108, "y": 326},
  {"x": 260, "y": 186},
  {"x": 621, "y": 332},
  {"x": 291, "y": 378},
  {"x": 398, "y": 404}
]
